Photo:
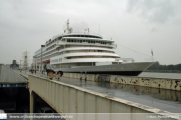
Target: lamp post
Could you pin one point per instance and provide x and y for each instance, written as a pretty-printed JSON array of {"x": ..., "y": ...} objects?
[
  {"x": 20, "y": 65},
  {"x": 41, "y": 58}
]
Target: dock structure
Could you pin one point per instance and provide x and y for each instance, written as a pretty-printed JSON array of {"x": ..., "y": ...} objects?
[
  {"x": 9, "y": 78},
  {"x": 162, "y": 83},
  {"x": 12, "y": 87},
  {"x": 65, "y": 98}
]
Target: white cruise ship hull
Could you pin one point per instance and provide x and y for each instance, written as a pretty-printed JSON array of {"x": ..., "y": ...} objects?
[{"x": 129, "y": 69}]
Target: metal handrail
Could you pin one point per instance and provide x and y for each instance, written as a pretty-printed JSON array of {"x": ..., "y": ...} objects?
[{"x": 89, "y": 52}]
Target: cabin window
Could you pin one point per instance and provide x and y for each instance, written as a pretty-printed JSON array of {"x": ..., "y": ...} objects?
[{"x": 55, "y": 60}]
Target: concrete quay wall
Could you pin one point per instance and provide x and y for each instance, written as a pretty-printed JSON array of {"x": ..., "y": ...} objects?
[
  {"x": 66, "y": 98},
  {"x": 162, "y": 83}
]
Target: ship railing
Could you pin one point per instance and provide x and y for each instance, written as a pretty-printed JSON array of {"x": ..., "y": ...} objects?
[
  {"x": 91, "y": 44},
  {"x": 86, "y": 33},
  {"x": 87, "y": 46},
  {"x": 125, "y": 59},
  {"x": 90, "y": 52},
  {"x": 78, "y": 66}
]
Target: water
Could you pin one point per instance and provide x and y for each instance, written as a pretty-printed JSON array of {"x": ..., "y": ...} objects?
[
  {"x": 161, "y": 75},
  {"x": 167, "y": 100}
]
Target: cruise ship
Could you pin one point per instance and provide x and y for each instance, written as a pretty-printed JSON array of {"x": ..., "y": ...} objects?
[{"x": 85, "y": 53}]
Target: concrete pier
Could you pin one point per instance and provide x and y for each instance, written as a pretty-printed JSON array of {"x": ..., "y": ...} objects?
[
  {"x": 162, "y": 83},
  {"x": 128, "y": 96}
]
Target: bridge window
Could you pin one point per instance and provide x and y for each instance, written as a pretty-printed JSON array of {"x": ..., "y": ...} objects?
[
  {"x": 55, "y": 60},
  {"x": 60, "y": 59}
]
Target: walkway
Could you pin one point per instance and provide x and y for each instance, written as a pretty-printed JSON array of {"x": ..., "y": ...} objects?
[{"x": 158, "y": 98}]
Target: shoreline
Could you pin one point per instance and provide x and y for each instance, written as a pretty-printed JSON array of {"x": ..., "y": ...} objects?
[{"x": 163, "y": 71}]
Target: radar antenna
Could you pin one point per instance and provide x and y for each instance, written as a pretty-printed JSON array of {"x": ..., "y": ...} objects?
[
  {"x": 68, "y": 29},
  {"x": 86, "y": 30},
  {"x": 68, "y": 24}
]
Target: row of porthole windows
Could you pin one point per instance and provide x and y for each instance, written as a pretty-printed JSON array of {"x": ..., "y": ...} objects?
[
  {"x": 89, "y": 41},
  {"x": 99, "y": 69}
]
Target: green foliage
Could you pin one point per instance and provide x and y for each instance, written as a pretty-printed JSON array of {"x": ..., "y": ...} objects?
[{"x": 157, "y": 66}]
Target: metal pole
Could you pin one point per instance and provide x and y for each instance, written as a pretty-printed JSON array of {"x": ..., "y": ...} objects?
[
  {"x": 41, "y": 61},
  {"x": 20, "y": 65},
  {"x": 25, "y": 65}
]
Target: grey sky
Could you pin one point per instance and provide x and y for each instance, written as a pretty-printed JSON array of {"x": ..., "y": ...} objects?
[{"x": 137, "y": 24}]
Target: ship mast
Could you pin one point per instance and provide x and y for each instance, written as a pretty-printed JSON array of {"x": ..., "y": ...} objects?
[
  {"x": 69, "y": 30},
  {"x": 68, "y": 24},
  {"x": 25, "y": 57}
]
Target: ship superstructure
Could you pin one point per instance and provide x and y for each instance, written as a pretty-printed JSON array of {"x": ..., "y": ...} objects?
[{"x": 85, "y": 52}]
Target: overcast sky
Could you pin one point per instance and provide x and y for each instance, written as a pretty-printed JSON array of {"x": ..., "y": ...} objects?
[{"x": 137, "y": 26}]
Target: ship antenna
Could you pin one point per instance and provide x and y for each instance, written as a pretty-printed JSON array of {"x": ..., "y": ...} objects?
[
  {"x": 69, "y": 29},
  {"x": 68, "y": 24},
  {"x": 86, "y": 30}
]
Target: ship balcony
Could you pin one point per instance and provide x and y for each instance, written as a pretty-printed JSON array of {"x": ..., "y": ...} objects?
[
  {"x": 85, "y": 48},
  {"x": 82, "y": 60},
  {"x": 85, "y": 43},
  {"x": 91, "y": 54}
]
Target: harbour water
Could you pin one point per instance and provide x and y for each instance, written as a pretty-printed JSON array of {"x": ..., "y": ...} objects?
[
  {"x": 161, "y": 75},
  {"x": 167, "y": 100}
]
